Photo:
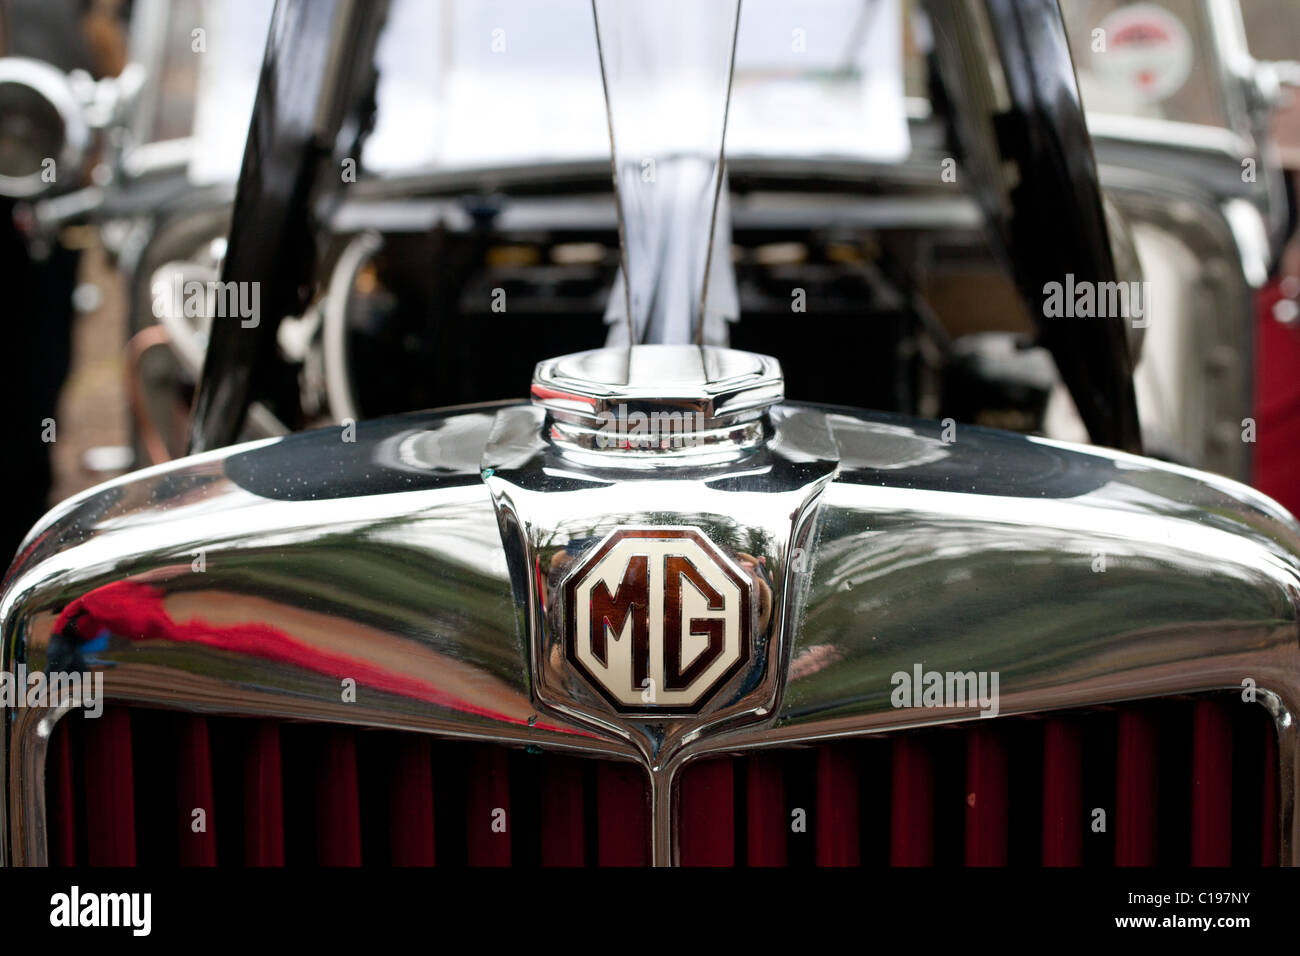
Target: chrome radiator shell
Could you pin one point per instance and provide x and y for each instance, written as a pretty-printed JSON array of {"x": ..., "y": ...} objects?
[{"x": 381, "y": 559}]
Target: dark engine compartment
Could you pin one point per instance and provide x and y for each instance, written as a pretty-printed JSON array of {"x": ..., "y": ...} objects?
[{"x": 862, "y": 310}]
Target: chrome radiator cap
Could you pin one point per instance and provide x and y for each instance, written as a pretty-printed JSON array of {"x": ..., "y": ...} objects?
[{"x": 657, "y": 398}]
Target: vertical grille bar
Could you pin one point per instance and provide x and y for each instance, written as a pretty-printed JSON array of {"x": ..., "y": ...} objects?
[
  {"x": 706, "y": 814},
  {"x": 765, "y": 816},
  {"x": 911, "y": 835},
  {"x": 110, "y": 789},
  {"x": 622, "y": 816},
  {"x": 1063, "y": 820},
  {"x": 564, "y": 810},
  {"x": 60, "y": 799},
  {"x": 836, "y": 821},
  {"x": 1211, "y": 784},
  {"x": 338, "y": 813},
  {"x": 1268, "y": 838},
  {"x": 986, "y": 797},
  {"x": 411, "y": 795},
  {"x": 1135, "y": 789},
  {"x": 263, "y": 797},
  {"x": 194, "y": 792},
  {"x": 487, "y": 808}
]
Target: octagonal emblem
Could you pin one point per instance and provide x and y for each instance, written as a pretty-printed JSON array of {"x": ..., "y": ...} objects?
[{"x": 657, "y": 619}]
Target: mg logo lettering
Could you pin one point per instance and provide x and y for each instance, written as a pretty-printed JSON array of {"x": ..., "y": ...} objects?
[{"x": 657, "y": 619}]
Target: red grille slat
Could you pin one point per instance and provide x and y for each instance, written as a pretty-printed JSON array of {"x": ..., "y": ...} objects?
[
  {"x": 338, "y": 804},
  {"x": 911, "y": 803},
  {"x": 986, "y": 798},
  {"x": 622, "y": 816},
  {"x": 198, "y": 847},
  {"x": 60, "y": 797},
  {"x": 766, "y": 822},
  {"x": 1063, "y": 818},
  {"x": 564, "y": 813},
  {"x": 1183, "y": 780},
  {"x": 706, "y": 814},
  {"x": 1211, "y": 786},
  {"x": 836, "y": 819},
  {"x": 263, "y": 797},
  {"x": 487, "y": 807},
  {"x": 1135, "y": 789},
  {"x": 110, "y": 789},
  {"x": 1270, "y": 825},
  {"x": 411, "y": 830}
]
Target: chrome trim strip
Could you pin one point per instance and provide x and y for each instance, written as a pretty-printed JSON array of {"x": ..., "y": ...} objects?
[
  {"x": 1288, "y": 776},
  {"x": 31, "y": 732},
  {"x": 1217, "y": 140}
]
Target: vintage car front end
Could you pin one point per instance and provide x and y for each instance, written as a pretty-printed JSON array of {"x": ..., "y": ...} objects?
[
  {"x": 680, "y": 601},
  {"x": 743, "y": 611}
]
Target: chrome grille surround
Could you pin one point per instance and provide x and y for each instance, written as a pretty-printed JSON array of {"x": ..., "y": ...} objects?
[{"x": 386, "y": 552}]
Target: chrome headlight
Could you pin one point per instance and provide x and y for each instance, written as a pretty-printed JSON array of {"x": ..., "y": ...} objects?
[{"x": 40, "y": 121}]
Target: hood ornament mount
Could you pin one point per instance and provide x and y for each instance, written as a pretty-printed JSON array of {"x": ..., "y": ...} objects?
[
  {"x": 658, "y": 507},
  {"x": 640, "y": 403}
]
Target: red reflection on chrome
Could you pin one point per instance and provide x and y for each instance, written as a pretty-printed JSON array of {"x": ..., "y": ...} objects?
[{"x": 135, "y": 612}]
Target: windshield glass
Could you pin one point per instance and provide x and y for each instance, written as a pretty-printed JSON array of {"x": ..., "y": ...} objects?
[
  {"x": 482, "y": 83},
  {"x": 514, "y": 81}
]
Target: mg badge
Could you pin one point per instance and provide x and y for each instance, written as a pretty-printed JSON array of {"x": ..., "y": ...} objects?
[{"x": 657, "y": 619}]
